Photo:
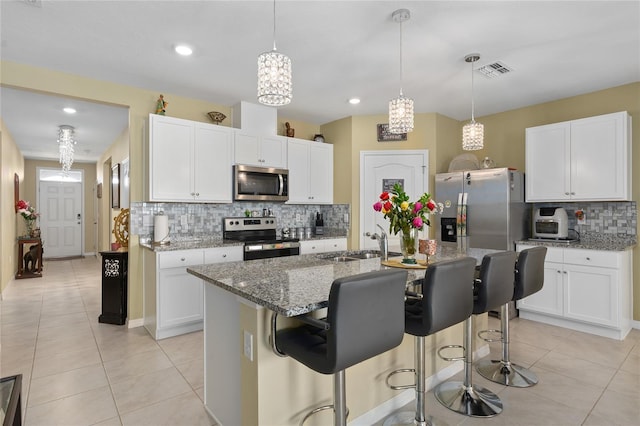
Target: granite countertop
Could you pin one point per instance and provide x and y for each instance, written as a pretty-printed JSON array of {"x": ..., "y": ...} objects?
[
  {"x": 297, "y": 285},
  {"x": 590, "y": 241}
]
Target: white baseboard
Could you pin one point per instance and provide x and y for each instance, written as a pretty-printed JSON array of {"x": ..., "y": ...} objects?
[
  {"x": 388, "y": 407},
  {"x": 635, "y": 324},
  {"x": 138, "y": 322},
  {"x": 90, "y": 253}
]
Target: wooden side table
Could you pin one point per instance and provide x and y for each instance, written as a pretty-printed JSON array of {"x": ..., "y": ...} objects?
[
  {"x": 114, "y": 287},
  {"x": 30, "y": 260}
]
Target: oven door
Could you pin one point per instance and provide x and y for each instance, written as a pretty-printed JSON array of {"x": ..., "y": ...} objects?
[{"x": 260, "y": 184}]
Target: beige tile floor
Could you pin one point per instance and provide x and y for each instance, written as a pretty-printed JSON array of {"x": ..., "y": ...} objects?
[{"x": 79, "y": 372}]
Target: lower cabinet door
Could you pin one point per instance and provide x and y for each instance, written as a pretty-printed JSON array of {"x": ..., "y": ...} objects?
[
  {"x": 591, "y": 294},
  {"x": 181, "y": 298},
  {"x": 549, "y": 300}
]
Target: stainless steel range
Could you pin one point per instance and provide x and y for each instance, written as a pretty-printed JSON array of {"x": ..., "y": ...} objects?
[{"x": 259, "y": 237}]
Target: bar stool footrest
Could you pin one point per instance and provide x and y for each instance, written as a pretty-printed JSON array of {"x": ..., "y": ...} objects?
[
  {"x": 400, "y": 387},
  {"x": 317, "y": 410},
  {"x": 487, "y": 339},
  {"x": 458, "y": 358}
]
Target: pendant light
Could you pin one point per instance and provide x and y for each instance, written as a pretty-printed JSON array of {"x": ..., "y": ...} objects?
[
  {"x": 66, "y": 141},
  {"x": 401, "y": 108},
  {"x": 472, "y": 132},
  {"x": 274, "y": 74}
]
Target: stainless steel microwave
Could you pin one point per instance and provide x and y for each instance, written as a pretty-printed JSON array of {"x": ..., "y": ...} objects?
[{"x": 252, "y": 183}]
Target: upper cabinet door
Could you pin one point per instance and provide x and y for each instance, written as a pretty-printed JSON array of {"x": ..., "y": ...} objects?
[
  {"x": 321, "y": 172},
  {"x": 600, "y": 157},
  {"x": 298, "y": 153},
  {"x": 213, "y": 156},
  {"x": 170, "y": 159},
  {"x": 247, "y": 151},
  {"x": 273, "y": 150},
  {"x": 547, "y": 153}
]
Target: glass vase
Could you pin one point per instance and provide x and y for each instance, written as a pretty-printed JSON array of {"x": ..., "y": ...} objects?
[
  {"x": 30, "y": 226},
  {"x": 409, "y": 245}
]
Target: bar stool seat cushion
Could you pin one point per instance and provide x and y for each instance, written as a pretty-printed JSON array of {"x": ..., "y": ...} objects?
[{"x": 365, "y": 317}]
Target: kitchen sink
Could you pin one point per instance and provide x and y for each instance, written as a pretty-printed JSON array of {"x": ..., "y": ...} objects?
[
  {"x": 355, "y": 255},
  {"x": 341, "y": 259}
]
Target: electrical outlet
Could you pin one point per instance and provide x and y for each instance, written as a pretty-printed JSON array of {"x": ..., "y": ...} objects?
[
  {"x": 184, "y": 220},
  {"x": 298, "y": 217},
  {"x": 248, "y": 345},
  {"x": 346, "y": 217},
  {"x": 146, "y": 220}
]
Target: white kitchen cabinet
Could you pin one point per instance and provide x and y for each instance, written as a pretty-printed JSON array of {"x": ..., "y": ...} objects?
[
  {"x": 580, "y": 160},
  {"x": 189, "y": 161},
  {"x": 173, "y": 299},
  {"x": 586, "y": 290},
  {"x": 323, "y": 245},
  {"x": 259, "y": 150},
  {"x": 310, "y": 172}
]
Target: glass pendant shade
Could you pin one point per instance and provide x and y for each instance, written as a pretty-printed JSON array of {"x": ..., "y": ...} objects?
[
  {"x": 66, "y": 141},
  {"x": 400, "y": 115},
  {"x": 472, "y": 136},
  {"x": 274, "y": 79}
]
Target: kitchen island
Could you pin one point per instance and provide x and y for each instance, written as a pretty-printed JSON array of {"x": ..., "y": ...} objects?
[{"x": 246, "y": 383}]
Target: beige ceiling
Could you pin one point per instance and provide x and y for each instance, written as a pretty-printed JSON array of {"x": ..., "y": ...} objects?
[{"x": 339, "y": 49}]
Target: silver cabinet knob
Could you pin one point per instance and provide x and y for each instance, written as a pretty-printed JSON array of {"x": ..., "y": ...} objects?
[
  {"x": 224, "y": 255},
  {"x": 182, "y": 259}
]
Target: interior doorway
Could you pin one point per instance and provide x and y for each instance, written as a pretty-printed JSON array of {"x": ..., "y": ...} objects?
[
  {"x": 60, "y": 200},
  {"x": 380, "y": 169}
]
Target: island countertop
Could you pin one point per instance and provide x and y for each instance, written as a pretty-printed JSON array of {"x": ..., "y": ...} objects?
[{"x": 296, "y": 285}]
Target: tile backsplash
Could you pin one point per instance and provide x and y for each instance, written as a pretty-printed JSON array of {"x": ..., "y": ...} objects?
[
  {"x": 193, "y": 220},
  {"x": 614, "y": 218}
]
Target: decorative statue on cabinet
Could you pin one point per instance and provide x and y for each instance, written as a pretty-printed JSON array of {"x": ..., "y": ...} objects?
[{"x": 161, "y": 105}]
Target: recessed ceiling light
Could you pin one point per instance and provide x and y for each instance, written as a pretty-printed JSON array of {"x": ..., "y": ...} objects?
[
  {"x": 69, "y": 110},
  {"x": 354, "y": 101},
  {"x": 183, "y": 50}
]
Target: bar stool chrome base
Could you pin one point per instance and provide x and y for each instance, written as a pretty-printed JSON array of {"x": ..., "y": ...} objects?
[
  {"x": 407, "y": 418},
  {"x": 506, "y": 373},
  {"x": 474, "y": 401}
]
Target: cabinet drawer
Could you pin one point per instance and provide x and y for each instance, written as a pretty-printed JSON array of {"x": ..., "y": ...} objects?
[
  {"x": 177, "y": 259},
  {"x": 338, "y": 244},
  {"x": 605, "y": 259},
  {"x": 554, "y": 254},
  {"x": 222, "y": 254}
]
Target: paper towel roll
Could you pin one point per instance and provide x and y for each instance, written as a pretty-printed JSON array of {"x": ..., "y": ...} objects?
[{"x": 161, "y": 229}]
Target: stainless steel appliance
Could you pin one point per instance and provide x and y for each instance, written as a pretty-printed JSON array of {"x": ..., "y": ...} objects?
[
  {"x": 260, "y": 183},
  {"x": 550, "y": 222},
  {"x": 485, "y": 206},
  {"x": 259, "y": 237}
]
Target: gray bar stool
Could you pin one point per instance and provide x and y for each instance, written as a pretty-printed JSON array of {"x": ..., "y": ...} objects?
[
  {"x": 446, "y": 300},
  {"x": 365, "y": 317},
  {"x": 493, "y": 288},
  {"x": 529, "y": 278}
]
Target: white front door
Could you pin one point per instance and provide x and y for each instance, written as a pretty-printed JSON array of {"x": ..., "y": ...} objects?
[
  {"x": 382, "y": 168},
  {"x": 61, "y": 218}
]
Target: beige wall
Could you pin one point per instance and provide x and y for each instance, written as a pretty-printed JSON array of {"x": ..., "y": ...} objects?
[
  {"x": 89, "y": 169},
  {"x": 302, "y": 130},
  {"x": 11, "y": 162}
]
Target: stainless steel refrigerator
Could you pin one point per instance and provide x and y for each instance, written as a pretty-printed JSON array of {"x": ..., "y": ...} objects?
[{"x": 482, "y": 209}]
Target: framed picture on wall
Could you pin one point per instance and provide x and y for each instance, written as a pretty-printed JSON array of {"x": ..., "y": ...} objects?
[
  {"x": 16, "y": 191},
  {"x": 115, "y": 186},
  {"x": 385, "y": 136}
]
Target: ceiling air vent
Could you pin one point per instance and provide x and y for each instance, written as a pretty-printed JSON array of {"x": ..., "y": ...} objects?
[{"x": 494, "y": 70}]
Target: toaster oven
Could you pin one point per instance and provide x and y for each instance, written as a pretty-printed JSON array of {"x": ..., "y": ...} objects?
[{"x": 550, "y": 222}]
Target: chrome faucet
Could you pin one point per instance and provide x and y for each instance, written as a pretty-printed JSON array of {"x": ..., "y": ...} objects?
[{"x": 383, "y": 241}]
